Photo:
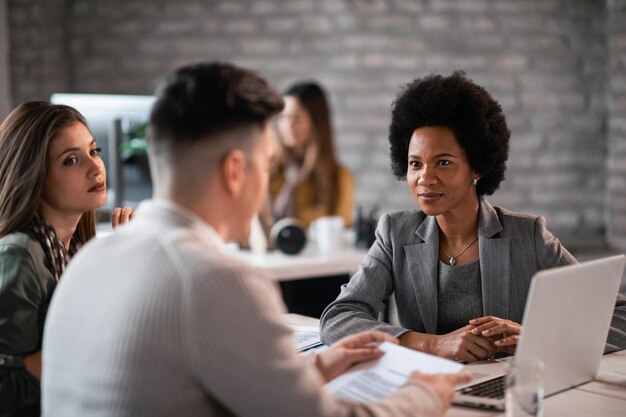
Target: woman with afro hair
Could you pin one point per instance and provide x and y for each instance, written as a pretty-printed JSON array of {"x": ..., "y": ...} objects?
[{"x": 459, "y": 268}]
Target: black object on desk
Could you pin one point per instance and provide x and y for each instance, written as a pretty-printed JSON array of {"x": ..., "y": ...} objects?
[
  {"x": 307, "y": 296},
  {"x": 311, "y": 296},
  {"x": 365, "y": 227},
  {"x": 288, "y": 236}
]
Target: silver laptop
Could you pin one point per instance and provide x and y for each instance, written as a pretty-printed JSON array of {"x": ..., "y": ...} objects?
[{"x": 566, "y": 322}]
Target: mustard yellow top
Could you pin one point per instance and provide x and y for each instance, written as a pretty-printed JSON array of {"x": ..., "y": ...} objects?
[{"x": 305, "y": 210}]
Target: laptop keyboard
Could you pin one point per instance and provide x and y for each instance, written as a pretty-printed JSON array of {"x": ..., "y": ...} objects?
[{"x": 493, "y": 388}]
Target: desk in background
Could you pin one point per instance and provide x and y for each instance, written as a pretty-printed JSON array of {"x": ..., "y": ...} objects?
[
  {"x": 309, "y": 264},
  {"x": 310, "y": 280}
]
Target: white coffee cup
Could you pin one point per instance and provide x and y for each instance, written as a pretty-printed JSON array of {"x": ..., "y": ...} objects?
[{"x": 327, "y": 232}]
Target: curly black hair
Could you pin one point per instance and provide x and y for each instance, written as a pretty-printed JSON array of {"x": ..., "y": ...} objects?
[{"x": 467, "y": 109}]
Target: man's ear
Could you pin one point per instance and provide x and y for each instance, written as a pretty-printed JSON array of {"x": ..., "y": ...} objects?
[{"x": 233, "y": 172}]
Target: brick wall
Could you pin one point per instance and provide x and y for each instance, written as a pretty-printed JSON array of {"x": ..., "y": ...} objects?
[
  {"x": 616, "y": 161},
  {"x": 544, "y": 60},
  {"x": 38, "y": 58},
  {"x": 5, "y": 95}
]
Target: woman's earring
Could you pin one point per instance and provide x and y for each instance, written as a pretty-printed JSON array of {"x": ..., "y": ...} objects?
[{"x": 475, "y": 181}]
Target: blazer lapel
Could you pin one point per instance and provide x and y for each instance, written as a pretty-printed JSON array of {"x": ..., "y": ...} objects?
[
  {"x": 495, "y": 263},
  {"x": 422, "y": 259}
]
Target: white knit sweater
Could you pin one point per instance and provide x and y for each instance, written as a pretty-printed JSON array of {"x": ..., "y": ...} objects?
[{"x": 156, "y": 320}]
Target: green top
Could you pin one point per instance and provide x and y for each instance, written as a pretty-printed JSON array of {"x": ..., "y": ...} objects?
[{"x": 26, "y": 287}]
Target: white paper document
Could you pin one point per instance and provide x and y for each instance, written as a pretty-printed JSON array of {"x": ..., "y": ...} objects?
[
  {"x": 306, "y": 337},
  {"x": 373, "y": 381}
]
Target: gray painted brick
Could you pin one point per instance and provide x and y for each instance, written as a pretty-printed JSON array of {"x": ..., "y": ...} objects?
[
  {"x": 246, "y": 26},
  {"x": 410, "y": 6},
  {"x": 466, "y": 6},
  {"x": 558, "y": 68}
]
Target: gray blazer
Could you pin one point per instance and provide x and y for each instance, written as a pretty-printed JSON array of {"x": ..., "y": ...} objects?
[{"x": 404, "y": 261}]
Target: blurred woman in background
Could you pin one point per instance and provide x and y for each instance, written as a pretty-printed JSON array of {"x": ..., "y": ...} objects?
[
  {"x": 51, "y": 181},
  {"x": 307, "y": 181}
]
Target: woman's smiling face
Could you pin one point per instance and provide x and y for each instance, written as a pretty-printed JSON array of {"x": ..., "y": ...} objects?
[{"x": 439, "y": 174}]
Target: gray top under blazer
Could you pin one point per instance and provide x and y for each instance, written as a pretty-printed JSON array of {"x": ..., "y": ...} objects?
[{"x": 404, "y": 259}]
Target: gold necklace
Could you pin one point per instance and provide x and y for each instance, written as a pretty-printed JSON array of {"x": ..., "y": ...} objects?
[{"x": 452, "y": 259}]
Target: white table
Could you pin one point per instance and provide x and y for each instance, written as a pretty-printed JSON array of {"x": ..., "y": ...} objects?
[
  {"x": 311, "y": 263},
  {"x": 611, "y": 379},
  {"x": 593, "y": 399},
  {"x": 300, "y": 320}
]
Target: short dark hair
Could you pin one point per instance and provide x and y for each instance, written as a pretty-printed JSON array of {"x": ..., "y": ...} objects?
[
  {"x": 464, "y": 107},
  {"x": 211, "y": 98}
]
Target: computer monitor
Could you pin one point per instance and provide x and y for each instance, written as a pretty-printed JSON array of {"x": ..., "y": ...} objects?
[{"x": 100, "y": 111}]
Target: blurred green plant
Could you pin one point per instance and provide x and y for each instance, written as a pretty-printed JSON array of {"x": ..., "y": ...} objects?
[
  {"x": 137, "y": 144},
  {"x": 134, "y": 151}
]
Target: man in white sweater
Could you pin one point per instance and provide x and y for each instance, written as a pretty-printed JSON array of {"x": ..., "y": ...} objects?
[{"x": 157, "y": 320}]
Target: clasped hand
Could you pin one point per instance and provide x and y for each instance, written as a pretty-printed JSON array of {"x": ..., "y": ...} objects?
[
  {"x": 503, "y": 333},
  {"x": 479, "y": 340}
]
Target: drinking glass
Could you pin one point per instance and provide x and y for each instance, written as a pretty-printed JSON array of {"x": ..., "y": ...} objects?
[{"x": 524, "y": 388}]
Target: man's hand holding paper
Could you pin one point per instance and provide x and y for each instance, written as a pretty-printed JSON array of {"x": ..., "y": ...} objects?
[{"x": 375, "y": 380}]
